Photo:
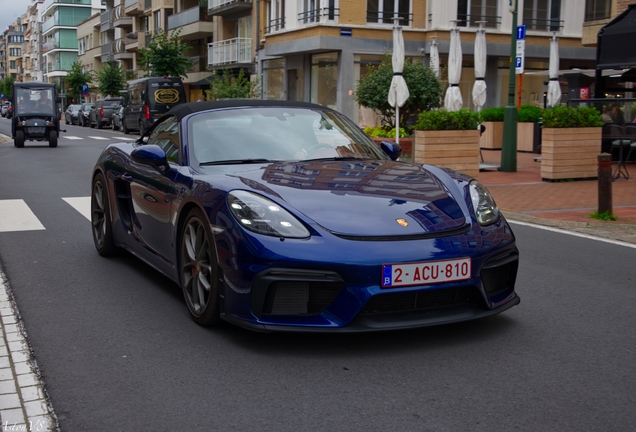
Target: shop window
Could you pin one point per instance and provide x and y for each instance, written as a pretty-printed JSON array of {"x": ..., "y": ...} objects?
[
  {"x": 274, "y": 79},
  {"x": 324, "y": 79}
]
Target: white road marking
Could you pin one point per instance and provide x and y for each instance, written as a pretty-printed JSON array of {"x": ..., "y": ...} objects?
[
  {"x": 127, "y": 139},
  {"x": 99, "y": 137},
  {"x": 81, "y": 204},
  {"x": 575, "y": 234},
  {"x": 15, "y": 215},
  {"x": 72, "y": 137}
]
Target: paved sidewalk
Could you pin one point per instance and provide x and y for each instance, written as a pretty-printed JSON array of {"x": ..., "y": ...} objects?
[{"x": 523, "y": 196}]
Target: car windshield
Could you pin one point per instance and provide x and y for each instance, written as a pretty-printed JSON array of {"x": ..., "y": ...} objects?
[
  {"x": 74, "y": 108},
  {"x": 256, "y": 135},
  {"x": 34, "y": 101}
]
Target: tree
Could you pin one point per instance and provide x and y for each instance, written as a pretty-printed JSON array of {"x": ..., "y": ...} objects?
[
  {"x": 228, "y": 87},
  {"x": 424, "y": 87},
  {"x": 163, "y": 57},
  {"x": 76, "y": 78},
  {"x": 6, "y": 86},
  {"x": 110, "y": 80}
]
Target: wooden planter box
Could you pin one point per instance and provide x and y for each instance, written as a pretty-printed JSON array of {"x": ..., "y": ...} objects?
[
  {"x": 570, "y": 153},
  {"x": 492, "y": 138},
  {"x": 454, "y": 149},
  {"x": 405, "y": 143},
  {"x": 525, "y": 136}
]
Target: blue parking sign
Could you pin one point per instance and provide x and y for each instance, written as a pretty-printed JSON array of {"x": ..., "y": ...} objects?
[{"x": 84, "y": 89}]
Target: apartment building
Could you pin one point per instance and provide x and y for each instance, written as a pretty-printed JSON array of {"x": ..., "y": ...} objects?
[
  {"x": 14, "y": 39},
  {"x": 59, "y": 34},
  {"x": 3, "y": 56},
  {"x": 598, "y": 13}
]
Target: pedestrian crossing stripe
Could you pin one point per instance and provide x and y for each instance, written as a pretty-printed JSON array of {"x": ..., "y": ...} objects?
[
  {"x": 99, "y": 138},
  {"x": 127, "y": 139},
  {"x": 15, "y": 215},
  {"x": 81, "y": 204},
  {"x": 72, "y": 137}
]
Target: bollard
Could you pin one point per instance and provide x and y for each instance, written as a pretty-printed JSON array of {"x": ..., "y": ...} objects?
[{"x": 605, "y": 183}]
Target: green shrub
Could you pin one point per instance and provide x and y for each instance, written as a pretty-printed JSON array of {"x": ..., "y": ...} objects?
[
  {"x": 571, "y": 117},
  {"x": 381, "y": 132},
  {"x": 492, "y": 114},
  {"x": 529, "y": 114},
  {"x": 463, "y": 119}
]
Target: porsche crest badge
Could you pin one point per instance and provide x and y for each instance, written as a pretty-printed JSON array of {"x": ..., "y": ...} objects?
[{"x": 402, "y": 222}]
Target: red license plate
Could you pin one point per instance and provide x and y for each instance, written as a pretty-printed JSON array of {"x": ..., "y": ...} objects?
[{"x": 424, "y": 273}]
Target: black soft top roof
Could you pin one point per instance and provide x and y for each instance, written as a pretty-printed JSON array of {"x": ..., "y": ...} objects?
[{"x": 182, "y": 110}]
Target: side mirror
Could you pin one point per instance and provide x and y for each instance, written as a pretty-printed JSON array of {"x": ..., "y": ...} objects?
[
  {"x": 392, "y": 149},
  {"x": 152, "y": 155}
]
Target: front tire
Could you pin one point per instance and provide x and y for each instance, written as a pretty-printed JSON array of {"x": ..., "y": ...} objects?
[
  {"x": 19, "y": 138},
  {"x": 198, "y": 269},
  {"x": 53, "y": 138},
  {"x": 100, "y": 218}
]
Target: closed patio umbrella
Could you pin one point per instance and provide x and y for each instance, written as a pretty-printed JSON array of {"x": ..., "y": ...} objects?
[
  {"x": 554, "y": 88},
  {"x": 453, "y": 100},
  {"x": 434, "y": 60},
  {"x": 399, "y": 92},
  {"x": 479, "y": 88}
]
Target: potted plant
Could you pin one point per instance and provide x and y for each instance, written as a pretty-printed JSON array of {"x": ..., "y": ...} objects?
[
  {"x": 528, "y": 128},
  {"x": 380, "y": 133},
  {"x": 570, "y": 143},
  {"x": 492, "y": 119},
  {"x": 449, "y": 139}
]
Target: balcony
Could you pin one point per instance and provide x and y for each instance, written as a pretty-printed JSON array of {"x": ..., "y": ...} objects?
[
  {"x": 50, "y": 3},
  {"x": 119, "y": 50},
  {"x": 107, "y": 51},
  {"x": 230, "y": 51},
  {"x": 134, "y": 7},
  {"x": 120, "y": 20},
  {"x": 318, "y": 15},
  {"x": 546, "y": 25},
  {"x": 193, "y": 23},
  {"x": 106, "y": 22},
  {"x": 490, "y": 21},
  {"x": 228, "y": 7}
]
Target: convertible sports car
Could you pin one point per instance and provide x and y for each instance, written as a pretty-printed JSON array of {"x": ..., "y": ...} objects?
[{"x": 285, "y": 216}]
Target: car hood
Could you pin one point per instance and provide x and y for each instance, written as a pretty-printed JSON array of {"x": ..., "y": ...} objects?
[{"x": 368, "y": 198}]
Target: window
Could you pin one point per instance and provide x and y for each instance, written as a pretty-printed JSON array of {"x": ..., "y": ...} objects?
[
  {"x": 383, "y": 11},
  {"x": 324, "y": 79},
  {"x": 166, "y": 136},
  {"x": 275, "y": 15},
  {"x": 597, "y": 9},
  {"x": 12, "y": 64},
  {"x": 311, "y": 11},
  {"x": 14, "y": 52},
  {"x": 542, "y": 15},
  {"x": 470, "y": 12},
  {"x": 157, "y": 20},
  {"x": 274, "y": 79}
]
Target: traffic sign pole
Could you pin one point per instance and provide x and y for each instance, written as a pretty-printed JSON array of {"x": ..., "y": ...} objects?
[{"x": 509, "y": 145}]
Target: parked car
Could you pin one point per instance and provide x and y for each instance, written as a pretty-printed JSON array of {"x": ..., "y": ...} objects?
[
  {"x": 116, "y": 118},
  {"x": 4, "y": 110},
  {"x": 278, "y": 215},
  {"x": 83, "y": 113},
  {"x": 101, "y": 113},
  {"x": 147, "y": 99},
  {"x": 36, "y": 115},
  {"x": 71, "y": 115}
]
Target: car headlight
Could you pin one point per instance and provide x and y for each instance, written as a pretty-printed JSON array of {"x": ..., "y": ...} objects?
[
  {"x": 484, "y": 206},
  {"x": 263, "y": 216}
]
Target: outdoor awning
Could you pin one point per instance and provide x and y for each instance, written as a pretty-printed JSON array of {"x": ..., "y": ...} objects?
[{"x": 614, "y": 49}]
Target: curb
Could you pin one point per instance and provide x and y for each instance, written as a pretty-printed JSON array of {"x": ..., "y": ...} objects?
[{"x": 24, "y": 402}]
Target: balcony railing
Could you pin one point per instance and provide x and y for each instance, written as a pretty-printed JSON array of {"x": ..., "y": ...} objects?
[
  {"x": 106, "y": 20},
  {"x": 188, "y": 16},
  {"x": 237, "y": 50},
  {"x": 380, "y": 17},
  {"x": 465, "y": 20},
  {"x": 548, "y": 25},
  {"x": 318, "y": 15},
  {"x": 120, "y": 19},
  {"x": 275, "y": 25},
  {"x": 107, "y": 51},
  {"x": 49, "y": 3},
  {"x": 229, "y": 6},
  {"x": 129, "y": 3}
]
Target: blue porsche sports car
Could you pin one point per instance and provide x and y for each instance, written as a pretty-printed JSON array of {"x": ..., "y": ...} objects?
[{"x": 285, "y": 216}]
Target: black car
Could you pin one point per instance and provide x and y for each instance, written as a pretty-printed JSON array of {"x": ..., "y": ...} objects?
[
  {"x": 71, "y": 115},
  {"x": 36, "y": 115},
  {"x": 83, "y": 114},
  {"x": 102, "y": 112},
  {"x": 115, "y": 119}
]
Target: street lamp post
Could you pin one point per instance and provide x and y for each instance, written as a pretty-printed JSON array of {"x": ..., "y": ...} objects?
[{"x": 509, "y": 145}]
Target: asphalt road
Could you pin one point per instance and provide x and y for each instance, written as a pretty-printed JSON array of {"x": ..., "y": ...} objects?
[{"x": 118, "y": 351}]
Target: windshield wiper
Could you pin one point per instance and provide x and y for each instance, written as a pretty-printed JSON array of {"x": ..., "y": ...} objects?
[
  {"x": 337, "y": 158},
  {"x": 235, "y": 162}
]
